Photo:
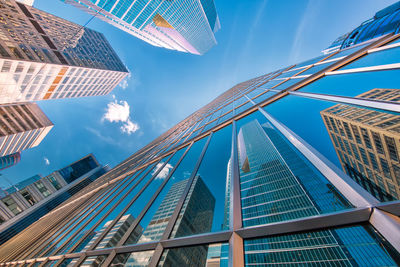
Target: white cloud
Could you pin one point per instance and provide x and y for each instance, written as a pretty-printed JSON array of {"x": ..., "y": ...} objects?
[
  {"x": 46, "y": 161},
  {"x": 129, "y": 127},
  {"x": 164, "y": 172},
  {"x": 129, "y": 82},
  {"x": 119, "y": 111}
]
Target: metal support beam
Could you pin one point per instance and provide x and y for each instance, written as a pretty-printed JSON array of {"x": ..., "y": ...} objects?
[
  {"x": 357, "y": 215},
  {"x": 392, "y": 207},
  {"x": 369, "y": 103},
  {"x": 388, "y": 225}
]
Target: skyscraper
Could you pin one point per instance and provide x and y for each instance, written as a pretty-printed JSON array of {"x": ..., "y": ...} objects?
[
  {"x": 22, "y": 126},
  {"x": 278, "y": 190},
  {"x": 186, "y": 26},
  {"x": 32, "y": 198},
  {"x": 367, "y": 143},
  {"x": 45, "y": 57}
]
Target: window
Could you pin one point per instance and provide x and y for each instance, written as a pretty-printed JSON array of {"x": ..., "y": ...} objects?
[
  {"x": 42, "y": 189},
  {"x": 12, "y": 205},
  {"x": 391, "y": 147},
  {"x": 366, "y": 138},
  {"x": 378, "y": 143},
  {"x": 28, "y": 197},
  {"x": 356, "y": 133},
  {"x": 385, "y": 168},
  {"x": 55, "y": 183}
]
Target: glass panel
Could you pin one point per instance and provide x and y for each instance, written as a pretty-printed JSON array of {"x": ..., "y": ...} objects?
[
  {"x": 348, "y": 51},
  {"x": 347, "y": 246},
  {"x": 290, "y": 73},
  {"x": 364, "y": 143},
  {"x": 271, "y": 84},
  {"x": 263, "y": 97},
  {"x": 288, "y": 83},
  {"x": 243, "y": 108},
  {"x": 94, "y": 261},
  {"x": 134, "y": 259},
  {"x": 255, "y": 92},
  {"x": 196, "y": 256},
  {"x": 206, "y": 207},
  {"x": 84, "y": 229},
  {"x": 114, "y": 236},
  {"x": 354, "y": 84},
  {"x": 68, "y": 262},
  {"x": 316, "y": 68},
  {"x": 94, "y": 234},
  {"x": 84, "y": 216},
  {"x": 311, "y": 61},
  {"x": 152, "y": 226},
  {"x": 277, "y": 182},
  {"x": 388, "y": 56},
  {"x": 50, "y": 263}
]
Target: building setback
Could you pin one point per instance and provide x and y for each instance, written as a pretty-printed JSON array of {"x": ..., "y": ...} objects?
[
  {"x": 279, "y": 196},
  {"x": 22, "y": 126},
  {"x": 186, "y": 26},
  {"x": 46, "y": 57},
  {"x": 367, "y": 143}
]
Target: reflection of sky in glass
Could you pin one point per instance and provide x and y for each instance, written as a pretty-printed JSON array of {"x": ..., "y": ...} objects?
[
  {"x": 182, "y": 172},
  {"x": 354, "y": 83},
  {"x": 346, "y": 246}
]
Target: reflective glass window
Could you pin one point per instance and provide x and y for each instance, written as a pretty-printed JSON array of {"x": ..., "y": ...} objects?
[
  {"x": 206, "y": 207},
  {"x": 134, "y": 259},
  {"x": 277, "y": 182},
  {"x": 347, "y": 246},
  {"x": 199, "y": 256},
  {"x": 156, "y": 219},
  {"x": 363, "y": 122}
]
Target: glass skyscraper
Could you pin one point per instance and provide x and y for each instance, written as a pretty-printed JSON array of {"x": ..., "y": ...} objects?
[
  {"x": 186, "y": 26},
  {"x": 46, "y": 57},
  {"x": 252, "y": 178}
]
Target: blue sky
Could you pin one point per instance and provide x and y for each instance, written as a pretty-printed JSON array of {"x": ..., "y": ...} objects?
[{"x": 256, "y": 37}]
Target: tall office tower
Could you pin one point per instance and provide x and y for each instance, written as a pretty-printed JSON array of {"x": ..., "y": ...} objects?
[
  {"x": 22, "y": 126},
  {"x": 279, "y": 196},
  {"x": 34, "y": 197},
  {"x": 367, "y": 143},
  {"x": 9, "y": 160},
  {"x": 45, "y": 57},
  {"x": 186, "y": 26}
]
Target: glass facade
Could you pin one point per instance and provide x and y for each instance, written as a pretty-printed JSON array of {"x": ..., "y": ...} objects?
[
  {"x": 297, "y": 167},
  {"x": 186, "y": 26}
]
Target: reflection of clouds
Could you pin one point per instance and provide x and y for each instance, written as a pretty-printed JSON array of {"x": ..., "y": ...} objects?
[
  {"x": 145, "y": 239},
  {"x": 140, "y": 258},
  {"x": 186, "y": 174},
  {"x": 164, "y": 172}
]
